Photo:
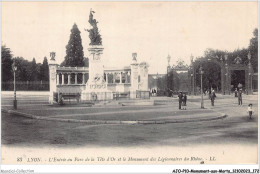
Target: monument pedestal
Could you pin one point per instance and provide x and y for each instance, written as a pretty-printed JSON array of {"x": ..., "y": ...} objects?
[
  {"x": 134, "y": 76},
  {"x": 96, "y": 87},
  {"x": 53, "y": 77}
]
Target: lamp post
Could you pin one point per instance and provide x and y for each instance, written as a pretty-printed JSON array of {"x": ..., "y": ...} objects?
[
  {"x": 249, "y": 84},
  {"x": 192, "y": 84},
  {"x": 227, "y": 85},
  {"x": 250, "y": 79},
  {"x": 201, "y": 86},
  {"x": 14, "y": 67},
  {"x": 192, "y": 75}
]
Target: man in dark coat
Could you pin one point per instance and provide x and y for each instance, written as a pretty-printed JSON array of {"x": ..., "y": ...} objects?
[
  {"x": 239, "y": 95},
  {"x": 184, "y": 100},
  {"x": 180, "y": 99},
  {"x": 212, "y": 98},
  {"x": 236, "y": 92}
]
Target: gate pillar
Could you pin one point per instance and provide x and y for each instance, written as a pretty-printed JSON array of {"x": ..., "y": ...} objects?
[{"x": 249, "y": 75}]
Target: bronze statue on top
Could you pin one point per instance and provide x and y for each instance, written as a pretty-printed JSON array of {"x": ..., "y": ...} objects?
[{"x": 95, "y": 37}]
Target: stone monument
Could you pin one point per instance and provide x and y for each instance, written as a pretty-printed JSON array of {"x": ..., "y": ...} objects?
[
  {"x": 96, "y": 84},
  {"x": 53, "y": 77},
  {"x": 134, "y": 76}
]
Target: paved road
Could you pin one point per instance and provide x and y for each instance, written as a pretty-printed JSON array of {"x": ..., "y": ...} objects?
[{"x": 237, "y": 128}]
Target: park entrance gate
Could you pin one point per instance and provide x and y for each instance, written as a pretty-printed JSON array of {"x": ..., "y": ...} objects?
[
  {"x": 227, "y": 67},
  {"x": 178, "y": 77}
]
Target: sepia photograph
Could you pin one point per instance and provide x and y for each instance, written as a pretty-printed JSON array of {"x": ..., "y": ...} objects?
[{"x": 158, "y": 83}]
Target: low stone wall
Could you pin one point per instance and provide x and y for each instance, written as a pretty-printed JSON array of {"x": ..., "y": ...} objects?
[
  {"x": 96, "y": 96},
  {"x": 70, "y": 88}
]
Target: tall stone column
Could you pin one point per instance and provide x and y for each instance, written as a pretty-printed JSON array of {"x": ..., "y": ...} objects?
[
  {"x": 69, "y": 76},
  {"x": 83, "y": 78},
  {"x": 76, "y": 78},
  {"x": 125, "y": 73},
  {"x": 114, "y": 77},
  {"x": 62, "y": 78},
  {"x": 96, "y": 81},
  {"x": 57, "y": 79},
  {"x": 134, "y": 76},
  {"x": 143, "y": 67},
  {"x": 96, "y": 67},
  {"x": 52, "y": 76},
  {"x": 106, "y": 78},
  {"x": 120, "y": 77}
]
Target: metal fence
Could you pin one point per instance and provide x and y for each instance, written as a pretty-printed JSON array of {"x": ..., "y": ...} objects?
[{"x": 26, "y": 86}]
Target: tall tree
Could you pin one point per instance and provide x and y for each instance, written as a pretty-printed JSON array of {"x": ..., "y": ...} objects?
[
  {"x": 253, "y": 47},
  {"x": 74, "y": 50},
  {"x": 211, "y": 77},
  {"x": 33, "y": 70},
  {"x": 23, "y": 69},
  {"x": 7, "y": 62},
  {"x": 44, "y": 70}
]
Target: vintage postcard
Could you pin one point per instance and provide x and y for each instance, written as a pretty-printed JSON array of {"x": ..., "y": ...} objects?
[{"x": 129, "y": 83}]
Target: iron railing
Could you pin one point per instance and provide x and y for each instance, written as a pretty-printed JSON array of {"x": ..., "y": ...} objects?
[{"x": 26, "y": 86}]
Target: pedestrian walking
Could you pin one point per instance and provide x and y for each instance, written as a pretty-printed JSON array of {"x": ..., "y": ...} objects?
[
  {"x": 250, "y": 110},
  {"x": 209, "y": 94},
  {"x": 239, "y": 95},
  {"x": 60, "y": 99},
  {"x": 184, "y": 100},
  {"x": 180, "y": 99},
  {"x": 212, "y": 97},
  {"x": 236, "y": 92}
]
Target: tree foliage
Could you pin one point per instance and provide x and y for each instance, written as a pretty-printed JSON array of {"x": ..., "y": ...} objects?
[
  {"x": 211, "y": 77},
  {"x": 30, "y": 71},
  {"x": 212, "y": 72},
  {"x": 44, "y": 70},
  {"x": 23, "y": 69},
  {"x": 6, "y": 56},
  {"x": 253, "y": 47},
  {"x": 33, "y": 71},
  {"x": 74, "y": 50},
  {"x": 173, "y": 81}
]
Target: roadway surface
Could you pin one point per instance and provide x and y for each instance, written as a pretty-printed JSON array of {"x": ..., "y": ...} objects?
[{"x": 22, "y": 131}]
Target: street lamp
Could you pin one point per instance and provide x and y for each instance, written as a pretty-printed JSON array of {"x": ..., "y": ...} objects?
[
  {"x": 250, "y": 79},
  {"x": 192, "y": 87},
  {"x": 201, "y": 86},
  {"x": 227, "y": 76},
  {"x": 14, "y": 67}
]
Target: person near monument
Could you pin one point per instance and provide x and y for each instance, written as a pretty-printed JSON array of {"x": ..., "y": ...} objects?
[
  {"x": 236, "y": 92},
  {"x": 240, "y": 97},
  {"x": 212, "y": 97},
  {"x": 180, "y": 99},
  {"x": 60, "y": 99},
  {"x": 209, "y": 93},
  {"x": 250, "y": 110},
  {"x": 184, "y": 100}
]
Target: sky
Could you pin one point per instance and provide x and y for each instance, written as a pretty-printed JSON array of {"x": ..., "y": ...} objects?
[{"x": 153, "y": 30}]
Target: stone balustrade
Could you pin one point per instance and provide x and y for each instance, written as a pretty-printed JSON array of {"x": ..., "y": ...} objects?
[{"x": 71, "y": 75}]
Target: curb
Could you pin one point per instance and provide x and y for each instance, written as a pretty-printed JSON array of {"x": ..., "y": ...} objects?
[{"x": 112, "y": 121}]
